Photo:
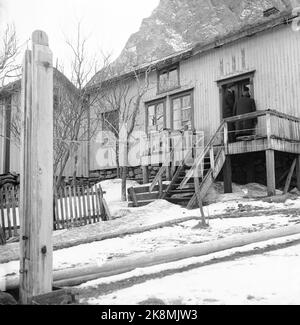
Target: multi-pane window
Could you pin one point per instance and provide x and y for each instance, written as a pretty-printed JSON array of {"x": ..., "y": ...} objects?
[
  {"x": 182, "y": 112},
  {"x": 156, "y": 116},
  {"x": 168, "y": 79}
]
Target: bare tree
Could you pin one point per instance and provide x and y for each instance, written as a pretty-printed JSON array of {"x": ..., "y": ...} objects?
[
  {"x": 124, "y": 96},
  {"x": 73, "y": 123},
  {"x": 9, "y": 50}
]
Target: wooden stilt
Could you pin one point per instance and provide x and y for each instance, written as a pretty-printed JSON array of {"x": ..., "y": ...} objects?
[
  {"x": 227, "y": 175},
  {"x": 270, "y": 166},
  {"x": 289, "y": 178},
  {"x": 298, "y": 171},
  {"x": 145, "y": 171}
]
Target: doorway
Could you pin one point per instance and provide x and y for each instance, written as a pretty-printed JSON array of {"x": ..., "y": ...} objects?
[{"x": 238, "y": 83}]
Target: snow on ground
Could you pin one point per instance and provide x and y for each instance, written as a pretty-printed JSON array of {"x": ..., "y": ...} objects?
[
  {"x": 243, "y": 200},
  {"x": 269, "y": 278},
  {"x": 113, "y": 195},
  {"x": 155, "y": 240}
]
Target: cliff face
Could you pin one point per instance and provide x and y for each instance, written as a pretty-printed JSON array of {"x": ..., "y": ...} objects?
[{"x": 176, "y": 25}]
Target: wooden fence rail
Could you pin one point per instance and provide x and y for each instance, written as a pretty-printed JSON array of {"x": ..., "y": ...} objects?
[{"x": 73, "y": 207}]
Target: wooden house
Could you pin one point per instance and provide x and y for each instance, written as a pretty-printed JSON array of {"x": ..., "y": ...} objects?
[
  {"x": 10, "y": 105},
  {"x": 186, "y": 92}
]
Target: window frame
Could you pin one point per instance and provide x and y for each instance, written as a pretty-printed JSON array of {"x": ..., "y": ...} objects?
[
  {"x": 181, "y": 95},
  {"x": 155, "y": 103},
  {"x": 168, "y": 70}
]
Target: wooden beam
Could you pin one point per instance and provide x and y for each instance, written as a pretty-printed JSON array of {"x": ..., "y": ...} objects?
[
  {"x": 133, "y": 196},
  {"x": 36, "y": 184},
  {"x": 270, "y": 166},
  {"x": 199, "y": 199},
  {"x": 145, "y": 171},
  {"x": 298, "y": 172},
  {"x": 289, "y": 178},
  {"x": 227, "y": 175}
]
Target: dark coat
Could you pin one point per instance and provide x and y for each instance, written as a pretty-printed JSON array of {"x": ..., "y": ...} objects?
[
  {"x": 228, "y": 104},
  {"x": 245, "y": 105}
]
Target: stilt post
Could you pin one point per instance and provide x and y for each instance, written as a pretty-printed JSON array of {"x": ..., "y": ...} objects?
[
  {"x": 227, "y": 175},
  {"x": 270, "y": 166}
]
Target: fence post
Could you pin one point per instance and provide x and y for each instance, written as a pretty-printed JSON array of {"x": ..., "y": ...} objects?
[{"x": 36, "y": 189}]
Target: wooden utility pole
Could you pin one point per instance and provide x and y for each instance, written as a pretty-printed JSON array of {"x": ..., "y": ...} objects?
[{"x": 36, "y": 189}]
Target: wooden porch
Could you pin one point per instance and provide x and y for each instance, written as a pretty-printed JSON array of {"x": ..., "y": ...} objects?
[{"x": 274, "y": 132}]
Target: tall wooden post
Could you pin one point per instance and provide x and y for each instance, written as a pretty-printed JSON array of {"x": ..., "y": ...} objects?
[
  {"x": 145, "y": 172},
  {"x": 298, "y": 171},
  {"x": 227, "y": 175},
  {"x": 270, "y": 165},
  {"x": 36, "y": 197}
]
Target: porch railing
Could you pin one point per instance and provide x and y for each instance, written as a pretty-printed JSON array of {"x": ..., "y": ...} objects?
[{"x": 271, "y": 124}]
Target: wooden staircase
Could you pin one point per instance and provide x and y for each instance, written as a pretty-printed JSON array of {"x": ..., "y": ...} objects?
[{"x": 181, "y": 190}]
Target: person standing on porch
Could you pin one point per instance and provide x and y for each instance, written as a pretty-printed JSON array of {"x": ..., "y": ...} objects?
[
  {"x": 228, "y": 105},
  {"x": 245, "y": 105}
]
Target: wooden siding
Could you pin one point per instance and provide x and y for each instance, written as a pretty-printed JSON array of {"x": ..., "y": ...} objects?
[{"x": 274, "y": 56}]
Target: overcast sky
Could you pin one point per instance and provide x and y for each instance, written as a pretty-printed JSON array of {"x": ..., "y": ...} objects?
[{"x": 109, "y": 23}]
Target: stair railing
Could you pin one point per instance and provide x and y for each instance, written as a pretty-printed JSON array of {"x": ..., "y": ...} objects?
[
  {"x": 169, "y": 160},
  {"x": 208, "y": 150}
]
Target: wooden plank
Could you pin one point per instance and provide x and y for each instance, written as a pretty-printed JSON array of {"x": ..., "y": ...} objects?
[
  {"x": 269, "y": 129},
  {"x": 78, "y": 194},
  {"x": 61, "y": 205},
  {"x": 226, "y": 136},
  {"x": 88, "y": 204},
  {"x": 289, "y": 178},
  {"x": 208, "y": 179},
  {"x": 56, "y": 215},
  {"x": 71, "y": 216},
  {"x": 145, "y": 189},
  {"x": 94, "y": 212},
  {"x": 2, "y": 236},
  {"x": 106, "y": 208},
  {"x": 2, "y": 211},
  {"x": 133, "y": 196},
  {"x": 160, "y": 184},
  {"x": 212, "y": 158},
  {"x": 98, "y": 210},
  {"x": 76, "y": 221},
  {"x": 146, "y": 196},
  {"x": 85, "y": 211},
  {"x": 8, "y": 212},
  {"x": 227, "y": 175},
  {"x": 66, "y": 205},
  {"x": 298, "y": 171},
  {"x": 157, "y": 177},
  {"x": 101, "y": 206},
  {"x": 270, "y": 165}
]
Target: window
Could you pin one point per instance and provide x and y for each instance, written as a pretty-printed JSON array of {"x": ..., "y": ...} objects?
[
  {"x": 156, "y": 116},
  {"x": 168, "y": 79},
  {"x": 183, "y": 112},
  {"x": 110, "y": 121}
]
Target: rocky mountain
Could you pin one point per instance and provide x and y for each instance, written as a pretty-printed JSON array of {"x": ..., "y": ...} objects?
[{"x": 176, "y": 25}]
